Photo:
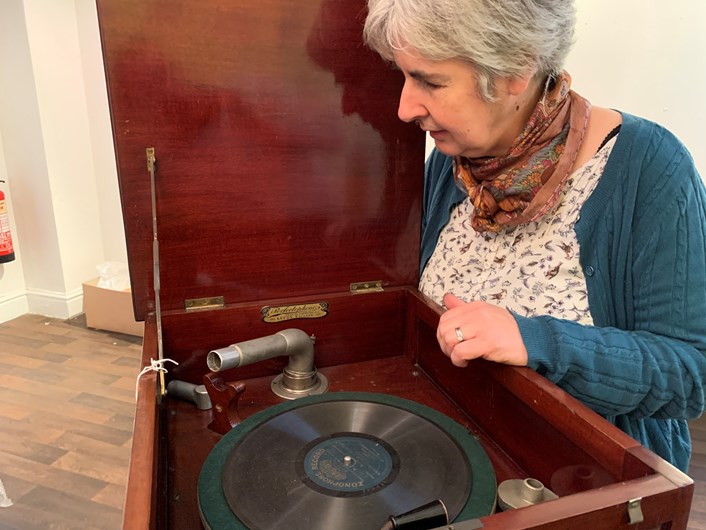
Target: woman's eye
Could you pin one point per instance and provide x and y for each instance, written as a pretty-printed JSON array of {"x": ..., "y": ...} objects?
[{"x": 428, "y": 85}]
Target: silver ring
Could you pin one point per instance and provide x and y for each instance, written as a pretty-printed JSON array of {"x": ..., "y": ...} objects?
[{"x": 459, "y": 335}]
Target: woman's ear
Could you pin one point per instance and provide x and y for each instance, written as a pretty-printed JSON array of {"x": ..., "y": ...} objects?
[
  {"x": 516, "y": 86},
  {"x": 520, "y": 86}
]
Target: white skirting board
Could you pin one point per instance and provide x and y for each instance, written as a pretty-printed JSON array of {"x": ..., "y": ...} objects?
[{"x": 40, "y": 302}]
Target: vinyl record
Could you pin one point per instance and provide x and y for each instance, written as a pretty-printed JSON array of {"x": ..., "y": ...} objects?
[{"x": 344, "y": 461}]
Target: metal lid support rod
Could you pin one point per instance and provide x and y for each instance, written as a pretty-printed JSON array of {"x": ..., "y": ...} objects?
[{"x": 151, "y": 162}]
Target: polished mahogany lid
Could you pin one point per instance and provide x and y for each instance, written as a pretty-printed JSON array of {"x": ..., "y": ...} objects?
[{"x": 282, "y": 169}]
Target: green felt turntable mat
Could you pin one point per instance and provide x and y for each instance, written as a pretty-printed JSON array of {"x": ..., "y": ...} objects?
[{"x": 216, "y": 513}]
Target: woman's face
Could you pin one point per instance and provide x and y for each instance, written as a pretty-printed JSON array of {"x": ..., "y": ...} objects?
[{"x": 443, "y": 98}]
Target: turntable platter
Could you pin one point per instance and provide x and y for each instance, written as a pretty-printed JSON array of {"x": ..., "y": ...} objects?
[{"x": 345, "y": 461}]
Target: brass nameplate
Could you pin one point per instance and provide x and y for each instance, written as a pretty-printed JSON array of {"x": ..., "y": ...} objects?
[
  {"x": 291, "y": 312},
  {"x": 202, "y": 304}
]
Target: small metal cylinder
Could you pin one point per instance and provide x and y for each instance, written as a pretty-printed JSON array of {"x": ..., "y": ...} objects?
[
  {"x": 223, "y": 358},
  {"x": 532, "y": 490},
  {"x": 516, "y": 493}
]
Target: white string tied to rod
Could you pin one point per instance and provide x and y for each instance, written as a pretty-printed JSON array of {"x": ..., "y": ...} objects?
[{"x": 156, "y": 365}]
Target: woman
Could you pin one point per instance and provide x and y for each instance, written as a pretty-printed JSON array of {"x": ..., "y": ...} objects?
[{"x": 559, "y": 236}]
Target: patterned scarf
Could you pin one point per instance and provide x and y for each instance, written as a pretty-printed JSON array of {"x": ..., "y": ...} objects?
[{"x": 523, "y": 184}]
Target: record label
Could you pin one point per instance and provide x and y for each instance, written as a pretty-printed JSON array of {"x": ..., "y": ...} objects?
[{"x": 348, "y": 464}]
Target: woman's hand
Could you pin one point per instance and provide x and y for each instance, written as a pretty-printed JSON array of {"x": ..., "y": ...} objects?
[{"x": 488, "y": 331}]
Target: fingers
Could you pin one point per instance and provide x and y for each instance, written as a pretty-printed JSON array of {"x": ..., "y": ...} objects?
[
  {"x": 459, "y": 355},
  {"x": 477, "y": 329},
  {"x": 458, "y": 351},
  {"x": 449, "y": 335},
  {"x": 457, "y": 324},
  {"x": 451, "y": 301}
]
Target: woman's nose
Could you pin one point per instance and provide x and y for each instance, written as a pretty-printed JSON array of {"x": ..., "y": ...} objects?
[{"x": 410, "y": 107}]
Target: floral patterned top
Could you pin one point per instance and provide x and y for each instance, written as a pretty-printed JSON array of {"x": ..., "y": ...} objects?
[{"x": 532, "y": 269}]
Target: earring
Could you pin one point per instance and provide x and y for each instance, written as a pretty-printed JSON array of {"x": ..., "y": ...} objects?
[{"x": 543, "y": 101}]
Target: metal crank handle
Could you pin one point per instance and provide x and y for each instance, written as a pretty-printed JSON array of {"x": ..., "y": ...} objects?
[{"x": 196, "y": 394}]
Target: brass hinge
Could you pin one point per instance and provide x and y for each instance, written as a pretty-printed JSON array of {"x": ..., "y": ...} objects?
[
  {"x": 366, "y": 287},
  {"x": 635, "y": 511},
  {"x": 202, "y": 304}
]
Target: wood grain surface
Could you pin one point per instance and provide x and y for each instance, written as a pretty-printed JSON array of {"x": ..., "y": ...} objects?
[{"x": 66, "y": 418}]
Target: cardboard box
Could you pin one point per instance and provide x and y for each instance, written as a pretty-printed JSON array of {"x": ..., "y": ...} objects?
[{"x": 109, "y": 309}]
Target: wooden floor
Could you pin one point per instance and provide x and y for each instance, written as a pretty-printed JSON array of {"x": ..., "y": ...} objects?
[
  {"x": 67, "y": 397},
  {"x": 66, "y": 412}
]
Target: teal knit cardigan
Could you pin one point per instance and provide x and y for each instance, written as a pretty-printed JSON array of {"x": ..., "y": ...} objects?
[{"x": 642, "y": 235}]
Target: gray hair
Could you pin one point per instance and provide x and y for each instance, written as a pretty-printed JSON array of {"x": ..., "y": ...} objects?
[{"x": 500, "y": 38}]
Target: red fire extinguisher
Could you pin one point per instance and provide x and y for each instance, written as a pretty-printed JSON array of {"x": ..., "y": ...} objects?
[{"x": 7, "y": 252}]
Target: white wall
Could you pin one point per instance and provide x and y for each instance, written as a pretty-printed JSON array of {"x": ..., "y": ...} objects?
[
  {"x": 110, "y": 213},
  {"x": 644, "y": 57},
  {"x": 52, "y": 103},
  {"x": 641, "y": 56}
]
